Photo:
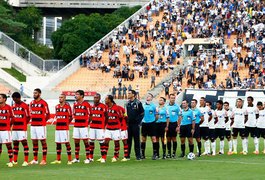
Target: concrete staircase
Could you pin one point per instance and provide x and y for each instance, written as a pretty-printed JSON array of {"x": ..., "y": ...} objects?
[{"x": 5, "y": 87}]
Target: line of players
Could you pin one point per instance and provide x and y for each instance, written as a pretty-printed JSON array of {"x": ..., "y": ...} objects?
[
  {"x": 107, "y": 122},
  {"x": 201, "y": 122}
]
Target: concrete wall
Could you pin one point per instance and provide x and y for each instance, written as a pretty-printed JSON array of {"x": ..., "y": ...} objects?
[
  {"x": 5, "y": 64},
  {"x": 26, "y": 67},
  {"x": 13, "y": 82}
]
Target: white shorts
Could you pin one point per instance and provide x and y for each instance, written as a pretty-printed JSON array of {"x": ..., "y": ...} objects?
[
  {"x": 61, "y": 136},
  {"x": 124, "y": 135},
  {"x": 38, "y": 132},
  {"x": 96, "y": 134},
  {"x": 19, "y": 135},
  {"x": 113, "y": 134},
  {"x": 80, "y": 133},
  {"x": 5, "y": 137}
]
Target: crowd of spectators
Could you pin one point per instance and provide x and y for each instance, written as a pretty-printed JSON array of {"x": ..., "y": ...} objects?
[{"x": 151, "y": 46}]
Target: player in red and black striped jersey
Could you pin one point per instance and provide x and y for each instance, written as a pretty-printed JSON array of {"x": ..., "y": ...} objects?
[
  {"x": 5, "y": 122},
  {"x": 81, "y": 113},
  {"x": 40, "y": 114},
  {"x": 19, "y": 129},
  {"x": 97, "y": 126},
  {"x": 113, "y": 127},
  {"x": 124, "y": 133},
  {"x": 63, "y": 117}
]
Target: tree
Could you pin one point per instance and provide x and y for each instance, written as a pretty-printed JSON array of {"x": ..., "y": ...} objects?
[
  {"x": 79, "y": 33},
  {"x": 7, "y": 23},
  {"x": 31, "y": 16}
]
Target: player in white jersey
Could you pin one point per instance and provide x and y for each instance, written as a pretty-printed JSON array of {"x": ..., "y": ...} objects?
[
  {"x": 211, "y": 130},
  {"x": 228, "y": 128},
  {"x": 251, "y": 127},
  {"x": 204, "y": 126},
  {"x": 220, "y": 117},
  {"x": 260, "y": 126},
  {"x": 239, "y": 117}
]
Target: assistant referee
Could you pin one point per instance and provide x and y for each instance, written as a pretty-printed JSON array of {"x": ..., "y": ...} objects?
[{"x": 186, "y": 127}]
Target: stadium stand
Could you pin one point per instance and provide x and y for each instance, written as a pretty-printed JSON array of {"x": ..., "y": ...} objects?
[{"x": 237, "y": 62}]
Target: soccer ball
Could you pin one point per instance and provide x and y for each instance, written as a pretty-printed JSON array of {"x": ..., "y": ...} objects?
[{"x": 191, "y": 156}]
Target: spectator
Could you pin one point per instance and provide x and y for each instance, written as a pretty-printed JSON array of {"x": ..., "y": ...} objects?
[
  {"x": 153, "y": 84},
  {"x": 137, "y": 90},
  {"x": 124, "y": 90},
  {"x": 114, "y": 89},
  {"x": 119, "y": 92},
  {"x": 166, "y": 86},
  {"x": 21, "y": 89}
]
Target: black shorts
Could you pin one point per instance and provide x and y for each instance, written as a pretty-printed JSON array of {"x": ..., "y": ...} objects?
[
  {"x": 261, "y": 132},
  {"x": 227, "y": 134},
  {"x": 172, "y": 129},
  {"x": 197, "y": 131},
  {"x": 220, "y": 133},
  {"x": 204, "y": 132},
  {"x": 148, "y": 129},
  {"x": 212, "y": 134},
  {"x": 251, "y": 130},
  {"x": 240, "y": 131},
  {"x": 160, "y": 129},
  {"x": 185, "y": 131}
]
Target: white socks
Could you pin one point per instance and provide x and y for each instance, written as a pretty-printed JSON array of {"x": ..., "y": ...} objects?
[
  {"x": 207, "y": 146},
  {"x": 256, "y": 143},
  {"x": 235, "y": 145},
  {"x": 222, "y": 144},
  {"x": 264, "y": 144},
  {"x": 230, "y": 146},
  {"x": 244, "y": 145},
  {"x": 213, "y": 145}
]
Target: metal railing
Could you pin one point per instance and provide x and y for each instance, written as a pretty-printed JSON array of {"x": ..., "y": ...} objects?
[
  {"x": 27, "y": 55},
  {"x": 81, "y": 3},
  {"x": 75, "y": 64}
]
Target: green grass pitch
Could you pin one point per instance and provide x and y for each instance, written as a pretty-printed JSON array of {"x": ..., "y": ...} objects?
[{"x": 218, "y": 167}]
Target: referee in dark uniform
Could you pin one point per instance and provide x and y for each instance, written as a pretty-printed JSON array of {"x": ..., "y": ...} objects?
[{"x": 135, "y": 112}]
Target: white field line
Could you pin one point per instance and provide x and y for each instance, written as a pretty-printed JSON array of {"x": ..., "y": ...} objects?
[{"x": 230, "y": 162}]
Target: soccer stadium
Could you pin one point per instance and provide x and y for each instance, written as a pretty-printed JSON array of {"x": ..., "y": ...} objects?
[{"x": 139, "y": 89}]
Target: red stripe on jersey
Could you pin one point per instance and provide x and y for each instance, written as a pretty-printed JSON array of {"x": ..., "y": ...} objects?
[
  {"x": 81, "y": 112},
  {"x": 98, "y": 115},
  {"x": 39, "y": 112},
  {"x": 21, "y": 116},
  {"x": 5, "y": 117},
  {"x": 114, "y": 118},
  {"x": 63, "y": 115},
  {"x": 124, "y": 117}
]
